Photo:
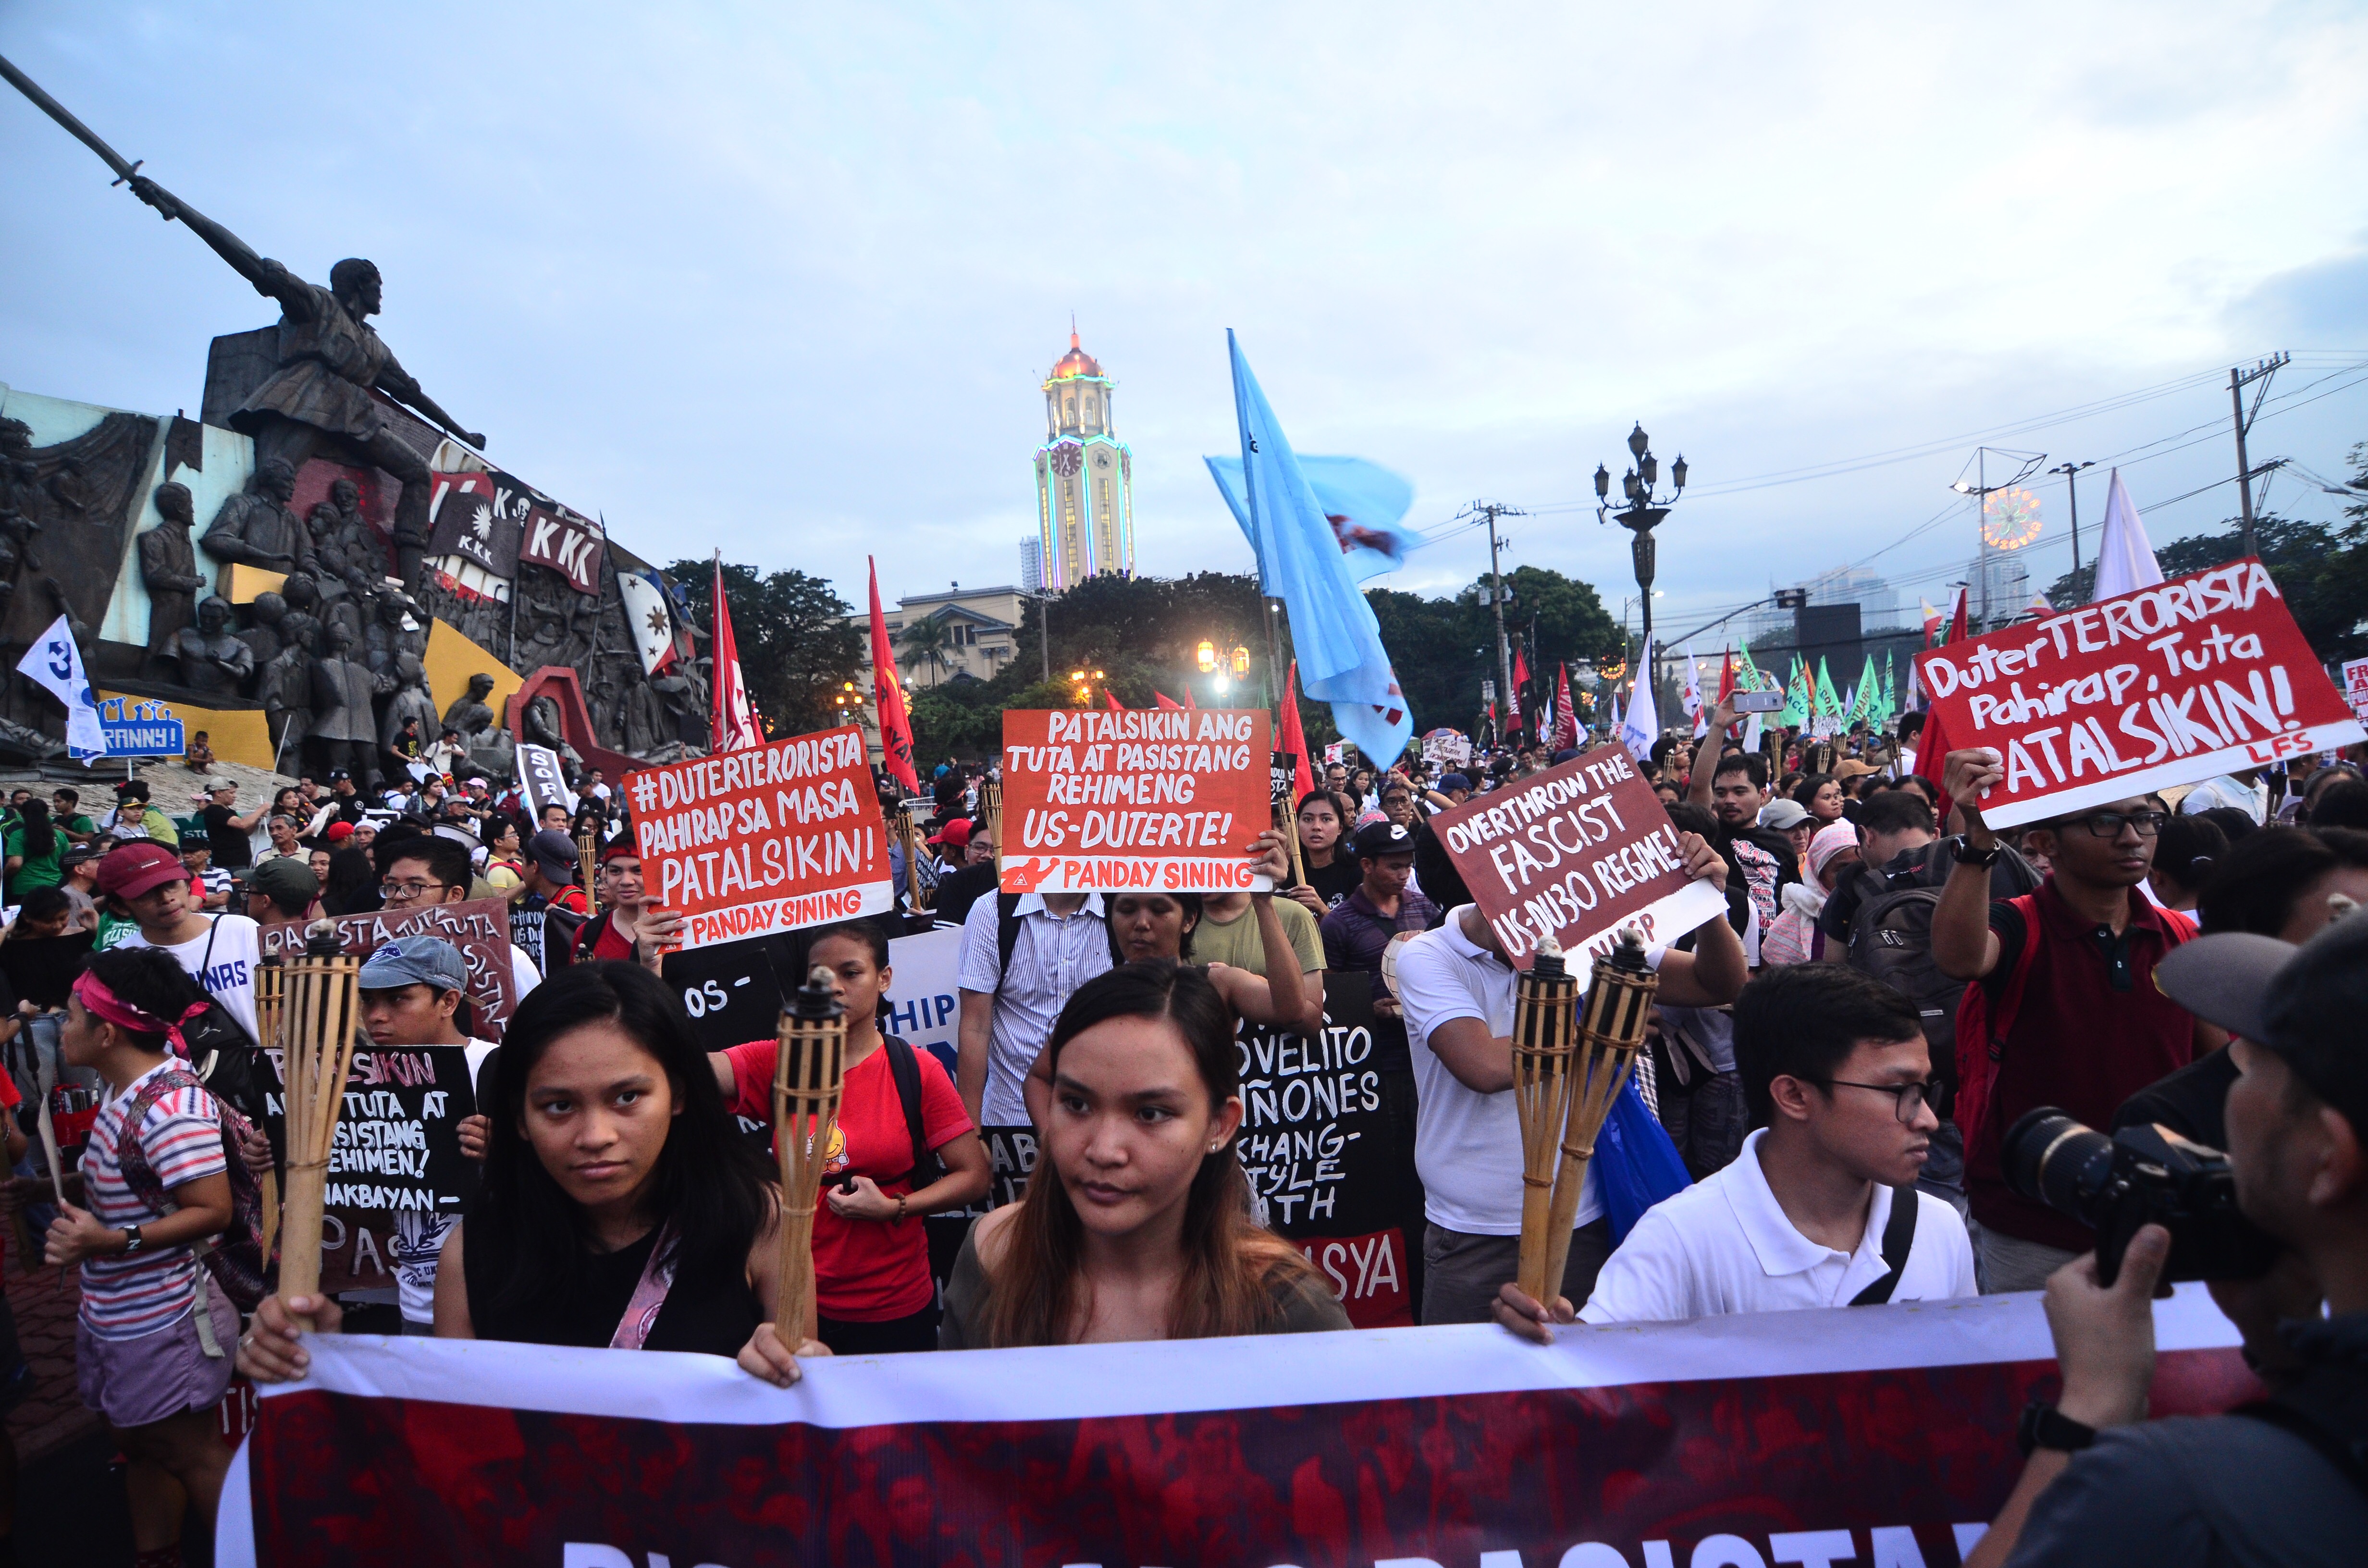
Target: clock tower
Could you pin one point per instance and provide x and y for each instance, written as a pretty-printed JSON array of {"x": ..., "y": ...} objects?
[{"x": 1084, "y": 477}]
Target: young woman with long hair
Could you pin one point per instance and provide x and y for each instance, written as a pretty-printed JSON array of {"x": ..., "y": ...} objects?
[
  {"x": 1137, "y": 1221},
  {"x": 873, "y": 1286},
  {"x": 34, "y": 846},
  {"x": 620, "y": 1206},
  {"x": 1332, "y": 873}
]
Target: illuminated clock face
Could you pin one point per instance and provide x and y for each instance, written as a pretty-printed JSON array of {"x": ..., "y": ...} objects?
[
  {"x": 1067, "y": 459},
  {"x": 1101, "y": 460}
]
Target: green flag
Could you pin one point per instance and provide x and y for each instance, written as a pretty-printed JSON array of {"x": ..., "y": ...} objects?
[
  {"x": 1826, "y": 708},
  {"x": 1890, "y": 689},
  {"x": 1796, "y": 714},
  {"x": 1870, "y": 696},
  {"x": 1746, "y": 674}
]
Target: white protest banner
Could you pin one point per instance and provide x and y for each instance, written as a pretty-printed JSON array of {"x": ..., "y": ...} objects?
[
  {"x": 543, "y": 779},
  {"x": 1874, "y": 1434},
  {"x": 763, "y": 840},
  {"x": 2198, "y": 676}
]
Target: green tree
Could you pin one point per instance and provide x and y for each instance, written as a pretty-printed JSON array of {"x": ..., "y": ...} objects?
[
  {"x": 925, "y": 643},
  {"x": 796, "y": 644}
]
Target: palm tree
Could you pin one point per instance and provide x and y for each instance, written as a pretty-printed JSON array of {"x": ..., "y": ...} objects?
[{"x": 925, "y": 643}]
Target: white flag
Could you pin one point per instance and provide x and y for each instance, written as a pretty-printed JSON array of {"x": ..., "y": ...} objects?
[
  {"x": 1642, "y": 727},
  {"x": 2125, "y": 559},
  {"x": 54, "y": 665},
  {"x": 1694, "y": 700}
]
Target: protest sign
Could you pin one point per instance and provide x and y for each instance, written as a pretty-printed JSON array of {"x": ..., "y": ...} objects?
[
  {"x": 1325, "y": 1166},
  {"x": 1874, "y": 1434},
  {"x": 2198, "y": 676},
  {"x": 398, "y": 1144},
  {"x": 1575, "y": 852},
  {"x": 542, "y": 780},
  {"x": 2355, "y": 687},
  {"x": 480, "y": 928},
  {"x": 1447, "y": 750},
  {"x": 763, "y": 840},
  {"x": 1166, "y": 799}
]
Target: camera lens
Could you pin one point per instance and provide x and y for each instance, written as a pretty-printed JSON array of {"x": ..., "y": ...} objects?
[{"x": 2049, "y": 1157}]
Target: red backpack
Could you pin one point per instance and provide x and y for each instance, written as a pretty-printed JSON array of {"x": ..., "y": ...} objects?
[{"x": 1981, "y": 1034}]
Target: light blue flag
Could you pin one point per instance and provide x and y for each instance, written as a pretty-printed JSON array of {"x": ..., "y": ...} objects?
[
  {"x": 1365, "y": 504},
  {"x": 1341, "y": 660}
]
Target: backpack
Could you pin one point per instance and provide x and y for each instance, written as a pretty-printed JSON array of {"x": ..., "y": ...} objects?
[
  {"x": 222, "y": 1056},
  {"x": 905, "y": 1066},
  {"x": 1981, "y": 1031},
  {"x": 236, "y": 1258}
]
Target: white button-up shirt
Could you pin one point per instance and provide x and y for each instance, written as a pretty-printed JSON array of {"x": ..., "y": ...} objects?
[
  {"x": 1051, "y": 958},
  {"x": 1725, "y": 1245}
]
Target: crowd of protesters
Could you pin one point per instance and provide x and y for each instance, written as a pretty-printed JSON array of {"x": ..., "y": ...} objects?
[{"x": 1802, "y": 1122}]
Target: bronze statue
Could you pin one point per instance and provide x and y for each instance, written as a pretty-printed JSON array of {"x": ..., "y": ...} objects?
[
  {"x": 469, "y": 715},
  {"x": 211, "y": 659},
  {"x": 411, "y": 700},
  {"x": 330, "y": 360},
  {"x": 256, "y": 526},
  {"x": 344, "y": 727},
  {"x": 265, "y": 638},
  {"x": 168, "y": 569}
]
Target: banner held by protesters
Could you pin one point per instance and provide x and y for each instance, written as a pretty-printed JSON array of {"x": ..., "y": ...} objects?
[
  {"x": 2166, "y": 684},
  {"x": 1095, "y": 800},
  {"x": 764, "y": 840}
]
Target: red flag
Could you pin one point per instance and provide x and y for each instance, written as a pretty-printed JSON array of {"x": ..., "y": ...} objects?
[
  {"x": 1513, "y": 698},
  {"x": 1111, "y": 697},
  {"x": 1188, "y": 696},
  {"x": 732, "y": 724},
  {"x": 1290, "y": 737},
  {"x": 1726, "y": 689},
  {"x": 1163, "y": 701},
  {"x": 888, "y": 692},
  {"x": 1932, "y": 756},
  {"x": 1566, "y": 730}
]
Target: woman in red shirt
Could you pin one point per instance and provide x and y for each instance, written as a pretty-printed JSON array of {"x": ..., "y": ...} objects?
[{"x": 873, "y": 1286}]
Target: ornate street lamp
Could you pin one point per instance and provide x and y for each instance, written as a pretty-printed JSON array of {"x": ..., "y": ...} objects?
[
  {"x": 1644, "y": 509},
  {"x": 1241, "y": 662},
  {"x": 1206, "y": 656}
]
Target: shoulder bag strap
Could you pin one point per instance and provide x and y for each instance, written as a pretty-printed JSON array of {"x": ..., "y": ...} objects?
[
  {"x": 1898, "y": 1241},
  {"x": 905, "y": 1066},
  {"x": 649, "y": 1294}
]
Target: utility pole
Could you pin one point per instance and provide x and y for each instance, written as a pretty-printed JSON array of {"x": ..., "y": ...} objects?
[
  {"x": 2237, "y": 382},
  {"x": 2071, "y": 471},
  {"x": 1493, "y": 510}
]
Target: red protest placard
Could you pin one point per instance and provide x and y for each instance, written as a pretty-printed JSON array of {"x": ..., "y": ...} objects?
[
  {"x": 2198, "y": 676},
  {"x": 762, "y": 840},
  {"x": 1578, "y": 851},
  {"x": 480, "y": 928},
  {"x": 1100, "y": 800}
]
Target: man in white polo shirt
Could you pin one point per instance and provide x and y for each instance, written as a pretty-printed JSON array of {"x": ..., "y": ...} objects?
[
  {"x": 1457, "y": 990},
  {"x": 1821, "y": 1208}
]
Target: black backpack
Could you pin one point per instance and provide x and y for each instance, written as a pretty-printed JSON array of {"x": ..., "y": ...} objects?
[
  {"x": 905, "y": 1067},
  {"x": 221, "y": 1053}
]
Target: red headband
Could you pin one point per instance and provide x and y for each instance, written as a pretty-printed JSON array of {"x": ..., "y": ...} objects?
[{"x": 106, "y": 1003}]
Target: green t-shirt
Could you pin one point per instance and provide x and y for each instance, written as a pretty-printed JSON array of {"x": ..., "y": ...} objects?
[
  {"x": 1237, "y": 943},
  {"x": 39, "y": 871},
  {"x": 76, "y": 824},
  {"x": 113, "y": 932}
]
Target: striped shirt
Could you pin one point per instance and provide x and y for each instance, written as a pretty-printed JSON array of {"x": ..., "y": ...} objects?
[{"x": 125, "y": 1297}]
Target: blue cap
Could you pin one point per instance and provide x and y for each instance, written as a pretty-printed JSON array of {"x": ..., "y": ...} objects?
[
  {"x": 1454, "y": 782},
  {"x": 416, "y": 961}
]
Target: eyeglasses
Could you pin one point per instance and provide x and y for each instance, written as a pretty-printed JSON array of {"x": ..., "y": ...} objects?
[
  {"x": 404, "y": 892},
  {"x": 2109, "y": 824},
  {"x": 1909, "y": 1098}
]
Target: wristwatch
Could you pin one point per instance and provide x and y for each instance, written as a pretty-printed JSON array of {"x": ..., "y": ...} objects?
[
  {"x": 1961, "y": 848},
  {"x": 132, "y": 1240},
  {"x": 2045, "y": 1426}
]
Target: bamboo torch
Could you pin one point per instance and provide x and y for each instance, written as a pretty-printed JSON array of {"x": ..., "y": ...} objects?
[
  {"x": 904, "y": 836},
  {"x": 1545, "y": 1012},
  {"x": 1610, "y": 1030},
  {"x": 586, "y": 848},
  {"x": 1287, "y": 821},
  {"x": 270, "y": 1005},
  {"x": 320, "y": 1019},
  {"x": 807, "y": 1076}
]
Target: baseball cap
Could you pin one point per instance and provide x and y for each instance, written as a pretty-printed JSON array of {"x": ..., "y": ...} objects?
[
  {"x": 80, "y": 854},
  {"x": 1852, "y": 767},
  {"x": 1453, "y": 781},
  {"x": 955, "y": 834},
  {"x": 2304, "y": 1003},
  {"x": 339, "y": 832},
  {"x": 555, "y": 853},
  {"x": 1383, "y": 837},
  {"x": 1783, "y": 815},
  {"x": 286, "y": 880},
  {"x": 1565, "y": 754},
  {"x": 337, "y": 773},
  {"x": 216, "y": 786},
  {"x": 414, "y": 960},
  {"x": 130, "y": 869}
]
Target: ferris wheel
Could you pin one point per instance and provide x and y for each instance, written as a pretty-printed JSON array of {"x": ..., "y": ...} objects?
[{"x": 2010, "y": 519}]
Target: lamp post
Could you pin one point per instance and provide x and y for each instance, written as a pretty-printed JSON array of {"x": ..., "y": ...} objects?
[
  {"x": 1081, "y": 681},
  {"x": 2071, "y": 473},
  {"x": 1643, "y": 510}
]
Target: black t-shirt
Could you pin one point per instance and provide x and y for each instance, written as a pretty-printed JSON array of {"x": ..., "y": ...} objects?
[
  {"x": 1337, "y": 880},
  {"x": 42, "y": 970},
  {"x": 231, "y": 849},
  {"x": 711, "y": 1315}
]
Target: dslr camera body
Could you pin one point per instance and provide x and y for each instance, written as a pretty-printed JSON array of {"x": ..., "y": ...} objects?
[{"x": 2140, "y": 1176}]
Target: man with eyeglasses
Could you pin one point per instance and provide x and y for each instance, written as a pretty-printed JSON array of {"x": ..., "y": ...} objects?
[
  {"x": 1821, "y": 1208},
  {"x": 2067, "y": 1009},
  {"x": 428, "y": 869}
]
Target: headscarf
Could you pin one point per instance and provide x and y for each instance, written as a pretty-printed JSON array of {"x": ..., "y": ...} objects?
[
  {"x": 1829, "y": 842},
  {"x": 102, "y": 1003}
]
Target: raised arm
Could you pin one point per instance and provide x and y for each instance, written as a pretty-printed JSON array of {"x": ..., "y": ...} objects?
[
  {"x": 1698, "y": 784},
  {"x": 1290, "y": 1001},
  {"x": 1712, "y": 974},
  {"x": 1964, "y": 946},
  {"x": 396, "y": 382},
  {"x": 269, "y": 277}
]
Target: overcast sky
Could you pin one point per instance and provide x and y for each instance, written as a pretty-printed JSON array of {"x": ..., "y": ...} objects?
[{"x": 785, "y": 280}]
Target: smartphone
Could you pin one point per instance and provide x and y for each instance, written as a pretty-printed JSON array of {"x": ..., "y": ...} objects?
[{"x": 1758, "y": 701}]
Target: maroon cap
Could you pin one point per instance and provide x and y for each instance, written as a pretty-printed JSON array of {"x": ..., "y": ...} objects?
[{"x": 131, "y": 869}]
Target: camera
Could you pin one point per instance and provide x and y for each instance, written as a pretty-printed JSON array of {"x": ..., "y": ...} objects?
[{"x": 2140, "y": 1176}]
